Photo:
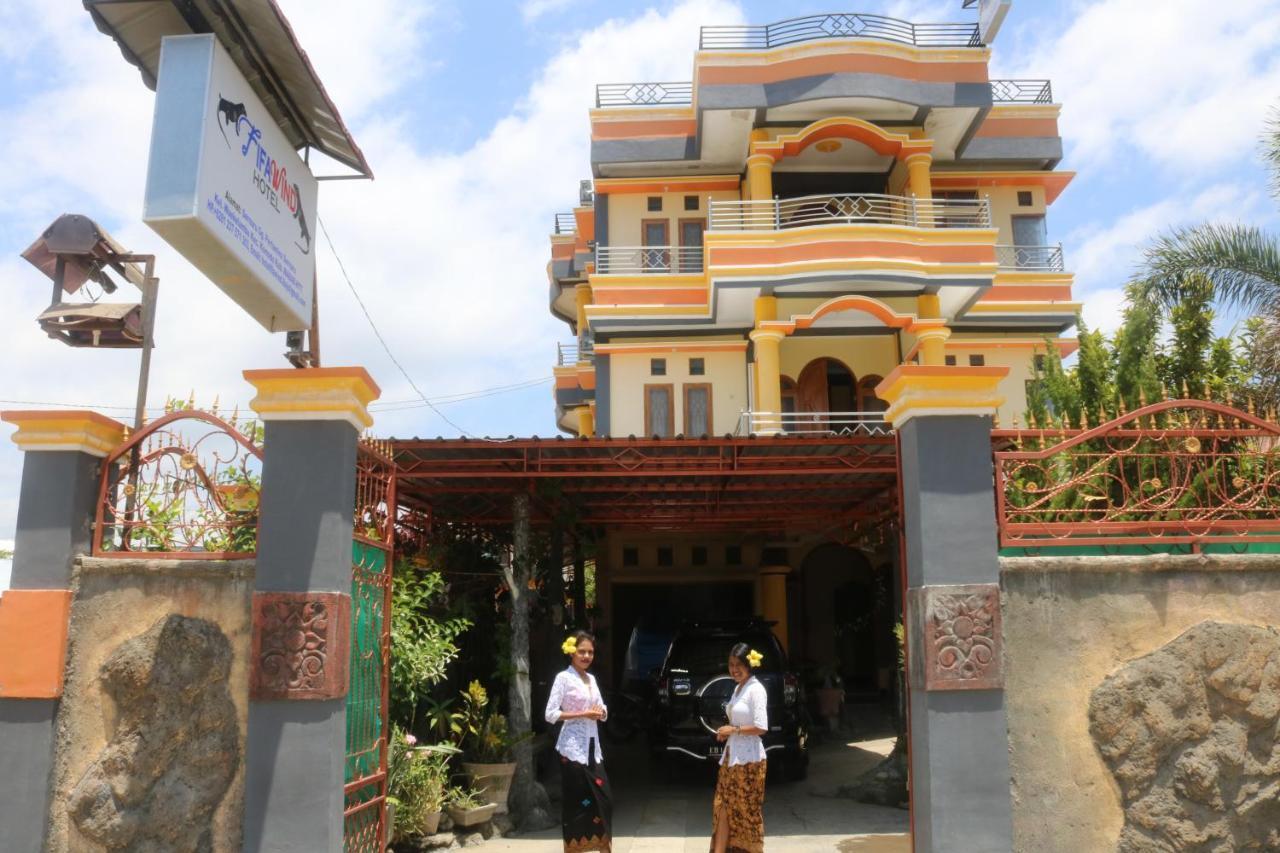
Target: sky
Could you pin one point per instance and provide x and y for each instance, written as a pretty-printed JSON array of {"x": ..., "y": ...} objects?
[{"x": 473, "y": 116}]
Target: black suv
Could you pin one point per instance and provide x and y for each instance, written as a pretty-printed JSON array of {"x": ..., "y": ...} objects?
[{"x": 694, "y": 686}]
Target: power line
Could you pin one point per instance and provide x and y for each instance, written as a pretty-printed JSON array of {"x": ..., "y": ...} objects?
[{"x": 378, "y": 334}]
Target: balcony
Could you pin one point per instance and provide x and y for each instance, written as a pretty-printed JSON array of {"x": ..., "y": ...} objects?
[
  {"x": 814, "y": 423},
  {"x": 779, "y": 214},
  {"x": 630, "y": 260},
  {"x": 1021, "y": 92},
  {"x": 644, "y": 94},
  {"x": 841, "y": 25},
  {"x": 567, "y": 355},
  {"x": 565, "y": 223},
  {"x": 1030, "y": 258}
]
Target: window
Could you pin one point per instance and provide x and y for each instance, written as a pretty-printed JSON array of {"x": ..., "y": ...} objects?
[
  {"x": 666, "y": 555},
  {"x": 733, "y": 555},
  {"x": 655, "y": 256},
  {"x": 697, "y": 409},
  {"x": 655, "y": 202},
  {"x": 657, "y": 367},
  {"x": 691, "y": 244},
  {"x": 691, "y": 202},
  {"x": 1039, "y": 362},
  {"x": 1024, "y": 198},
  {"x": 631, "y": 556},
  {"x": 949, "y": 360},
  {"x": 698, "y": 556},
  {"x": 1029, "y": 231},
  {"x": 697, "y": 367},
  {"x": 659, "y": 416},
  {"x": 977, "y": 360}
]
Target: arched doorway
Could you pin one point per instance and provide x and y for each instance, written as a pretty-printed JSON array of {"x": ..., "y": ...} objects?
[
  {"x": 849, "y": 607},
  {"x": 825, "y": 385}
]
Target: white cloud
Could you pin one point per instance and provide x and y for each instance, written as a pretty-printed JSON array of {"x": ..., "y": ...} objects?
[
  {"x": 531, "y": 10},
  {"x": 1177, "y": 82}
]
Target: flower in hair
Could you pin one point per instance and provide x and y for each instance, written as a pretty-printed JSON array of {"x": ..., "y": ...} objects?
[
  {"x": 754, "y": 658},
  {"x": 569, "y": 646}
]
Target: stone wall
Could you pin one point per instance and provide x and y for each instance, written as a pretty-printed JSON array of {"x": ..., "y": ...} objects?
[
  {"x": 1073, "y": 623},
  {"x": 134, "y": 665}
]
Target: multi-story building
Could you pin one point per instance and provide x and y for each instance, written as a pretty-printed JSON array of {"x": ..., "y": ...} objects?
[{"x": 760, "y": 247}]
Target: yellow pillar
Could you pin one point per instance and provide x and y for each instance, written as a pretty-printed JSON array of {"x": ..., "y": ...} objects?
[
  {"x": 932, "y": 338},
  {"x": 760, "y": 177},
  {"x": 586, "y": 421},
  {"x": 920, "y": 186},
  {"x": 766, "y": 308},
  {"x": 768, "y": 378},
  {"x": 582, "y": 297},
  {"x": 773, "y": 599}
]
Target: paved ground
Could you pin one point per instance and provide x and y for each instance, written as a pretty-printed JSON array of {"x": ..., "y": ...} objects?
[{"x": 675, "y": 817}]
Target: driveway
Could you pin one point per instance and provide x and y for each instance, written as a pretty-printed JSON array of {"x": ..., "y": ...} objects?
[{"x": 653, "y": 816}]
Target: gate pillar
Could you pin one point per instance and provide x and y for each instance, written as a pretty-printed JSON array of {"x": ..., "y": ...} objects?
[
  {"x": 959, "y": 744},
  {"x": 296, "y": 748},
  {"x": 56, "y": 503}
]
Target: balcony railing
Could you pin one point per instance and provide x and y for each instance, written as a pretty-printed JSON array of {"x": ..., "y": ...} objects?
[
  {"x": 644, "y": 94},
  {"x": 568, "y": 355},
  {"x": 814, "y": 423},
  {"x": 624, "y": 260},
  {"x": 1021, "y": 92},
  {"x": 1034, "y": 258},
  {"x": 840, "y": 25},
  {"x": 777, "y": 214},
  {"x": 565, "y": 223}
]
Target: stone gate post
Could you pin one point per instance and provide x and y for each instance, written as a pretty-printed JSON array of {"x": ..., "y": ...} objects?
[
  {"x": 301, "y": 607},
  {"x": 960, "y": 781},
  {"x": 56, "y": 506}
]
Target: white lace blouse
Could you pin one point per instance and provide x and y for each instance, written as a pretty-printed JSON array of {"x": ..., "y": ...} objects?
[
  {"x": 570, "y": 693},
  {"x": 749, "y": 706}
]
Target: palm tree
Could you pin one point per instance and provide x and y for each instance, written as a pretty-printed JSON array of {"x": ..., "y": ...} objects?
[{"x": 1241, "y": 265}]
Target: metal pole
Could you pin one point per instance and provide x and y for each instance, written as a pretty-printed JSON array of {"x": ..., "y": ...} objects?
[
  {"x": 313, "y": 334},
  {"x": 150, "y": 291},
  {"x": 59, "y": 276}
]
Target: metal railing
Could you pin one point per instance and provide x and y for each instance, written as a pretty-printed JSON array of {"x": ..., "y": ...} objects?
[
  {"x": 814, "y": 423},
  {"x": 648, "y": 259},
  {"x": 565, "y": 223},
  {"x": 644, "y": 94},
  {"x": 568, "y": 355},
  {"x": 1035, "y": 258},
  {"x": 1021, "y": 92},
  {"x": 778, "y": 214},
  {"x": 838, "y": 25}
]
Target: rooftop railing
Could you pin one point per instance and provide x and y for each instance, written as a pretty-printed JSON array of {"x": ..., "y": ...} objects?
[
  {"x": 1032, "y": 258},
  {"x": 778, "y": 214},
  {"x": 644, "y": 94},
  {"x": 568, "y": 355},
  {"x": 814, "y": 423},
  {"x": 838, "y": 25},
  {"x": 1021, "y": 92},
  {"x": 625, "y": 260},
  {"x": 565, "y": 223}
]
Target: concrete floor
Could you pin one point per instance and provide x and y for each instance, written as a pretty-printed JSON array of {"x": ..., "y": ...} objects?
[{"x": 653, "y": 816}]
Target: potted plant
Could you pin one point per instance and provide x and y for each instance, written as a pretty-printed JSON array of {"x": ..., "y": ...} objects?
[
  {"x": 467, "y": 807},
  {"x": 829, "y": 694},
  {"x": 487, "y": 743},
  {"x": 417, "y": 784}
]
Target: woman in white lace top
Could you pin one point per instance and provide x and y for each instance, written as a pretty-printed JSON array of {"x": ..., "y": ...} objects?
[
  {"x": 586, "y": 800},
  {"x": 737, "y": 812}
]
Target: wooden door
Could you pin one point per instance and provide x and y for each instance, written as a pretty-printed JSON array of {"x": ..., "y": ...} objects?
[{"x": 811, "y": 393}]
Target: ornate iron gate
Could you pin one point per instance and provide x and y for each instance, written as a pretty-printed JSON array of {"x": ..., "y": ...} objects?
[{"x": 372, "y": 558}]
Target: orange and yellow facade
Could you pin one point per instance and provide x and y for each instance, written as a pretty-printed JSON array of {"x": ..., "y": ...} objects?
[{"x": 761, "y": 247}]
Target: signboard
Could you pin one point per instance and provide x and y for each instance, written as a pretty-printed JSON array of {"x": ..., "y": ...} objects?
[{"x": 226, "y": 189}]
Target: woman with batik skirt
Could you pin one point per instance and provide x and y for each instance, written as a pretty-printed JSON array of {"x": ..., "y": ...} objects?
[
  {"x": 585, "y": 799},
  {"x": 737, "y": 812}
]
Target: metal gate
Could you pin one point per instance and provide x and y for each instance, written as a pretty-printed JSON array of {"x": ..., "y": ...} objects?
[{"x": 372, "y": 557}]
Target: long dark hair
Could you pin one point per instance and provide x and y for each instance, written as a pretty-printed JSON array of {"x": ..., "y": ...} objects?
[
  {"x": 580, "y": 635},
  {"x": 740, "y": 652}
]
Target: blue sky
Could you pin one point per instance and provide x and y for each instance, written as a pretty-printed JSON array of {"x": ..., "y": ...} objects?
[{"x": 474, "y": 118}]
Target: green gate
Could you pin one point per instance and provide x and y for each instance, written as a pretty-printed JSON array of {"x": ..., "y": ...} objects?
[{"x": 372, "y": 554}]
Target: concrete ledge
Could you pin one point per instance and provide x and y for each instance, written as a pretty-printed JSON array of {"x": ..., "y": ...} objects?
[
  {"x": 144, "y": 567},
  {"x": 1145, "y": 564}
]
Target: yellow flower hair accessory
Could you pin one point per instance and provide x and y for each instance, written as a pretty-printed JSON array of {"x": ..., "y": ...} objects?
[
  {"x": 754, "y": 658},
  {"x": 569, "y": 646}
]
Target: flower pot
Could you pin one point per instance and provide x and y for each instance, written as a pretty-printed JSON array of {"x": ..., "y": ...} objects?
[
  {"x": 470, "y": 817},
  {"x": 390, "y": 830},
  {"x": 492, "y": 780},
  {"x": 430, "y": 823}
]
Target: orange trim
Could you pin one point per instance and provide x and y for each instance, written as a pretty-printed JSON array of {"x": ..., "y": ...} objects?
[
  {"x": 585, "y": 219},
  {"x": 1053, "y": 182},
  {"x": 33, "y": 642},
  {"x": 18, "y": 416},
  {"x": 567, "y": 381},
  {"x": 1066, "y": 346},
  {"x": 1018, "y": 127},
  {"x": 626, "y": 296},
  {"x": 562, "y": 251},
  {"x": 655, "y": 349},
  {"x": 314, "y": 373},
  {"x": 641, "y": 129},
  {"x": 852, "y": 302},
  {"x": 1027, "y": 293},
  {"x": 665, "y": 185},
  {"x": 834, "y": 63},
  {"x": 861, "y": 249},
  {"x": 879, "y": 140}
]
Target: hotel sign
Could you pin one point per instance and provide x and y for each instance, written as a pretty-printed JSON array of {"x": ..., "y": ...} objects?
[{"x": 226, "y": 189}]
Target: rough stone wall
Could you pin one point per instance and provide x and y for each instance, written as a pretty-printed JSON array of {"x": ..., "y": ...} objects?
[
  {"x": 116, "y": 603},
  {"x": 1070, "y": 624}
]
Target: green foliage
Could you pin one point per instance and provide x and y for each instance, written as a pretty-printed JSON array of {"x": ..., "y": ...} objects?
[
  {"x": 422, "y": 640},
  {"x": 484, "y": 735},
  {"x": 466, "y": 798},
  {"x": 417, "y": 781}
]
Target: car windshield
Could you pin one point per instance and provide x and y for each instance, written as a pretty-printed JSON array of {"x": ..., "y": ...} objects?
[{"x": 708, "y": 654}]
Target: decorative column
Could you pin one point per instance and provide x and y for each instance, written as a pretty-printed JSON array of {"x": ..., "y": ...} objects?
[
  {"x": 930, "y": 330},
  {"x": 295, "y": 756},
  {"x": 581, "y": 298},
  {"x": 56, "y": 504},
  {"x": 960, "y": 796},
  {"x": 586, "y": 421},
  {"x": 920, "y": 186},
  {"x": 773, "y": 599},
  {"x": 768, "y": 378},
  {"x": 760, "y": 179}
]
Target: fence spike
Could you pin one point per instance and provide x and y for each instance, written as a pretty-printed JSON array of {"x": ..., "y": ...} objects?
[
  {"x": 1186, "y": 390},
  {"x": 1142, "y": 397},
  {"x": 214, "y": 410}
]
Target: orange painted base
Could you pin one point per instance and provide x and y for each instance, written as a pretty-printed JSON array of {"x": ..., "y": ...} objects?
[{"x": 33, "y": 642}]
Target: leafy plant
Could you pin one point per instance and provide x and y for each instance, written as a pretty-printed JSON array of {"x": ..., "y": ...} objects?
[
  {"x": 466, "y": 798},
  {"x": 485, "y": 735},
  {"x": 422, "y": 643},
  {"x": 417, "y": 781}
]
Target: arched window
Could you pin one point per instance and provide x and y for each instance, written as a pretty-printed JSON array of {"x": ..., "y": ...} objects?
[{"x": 867, "y": 399}]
